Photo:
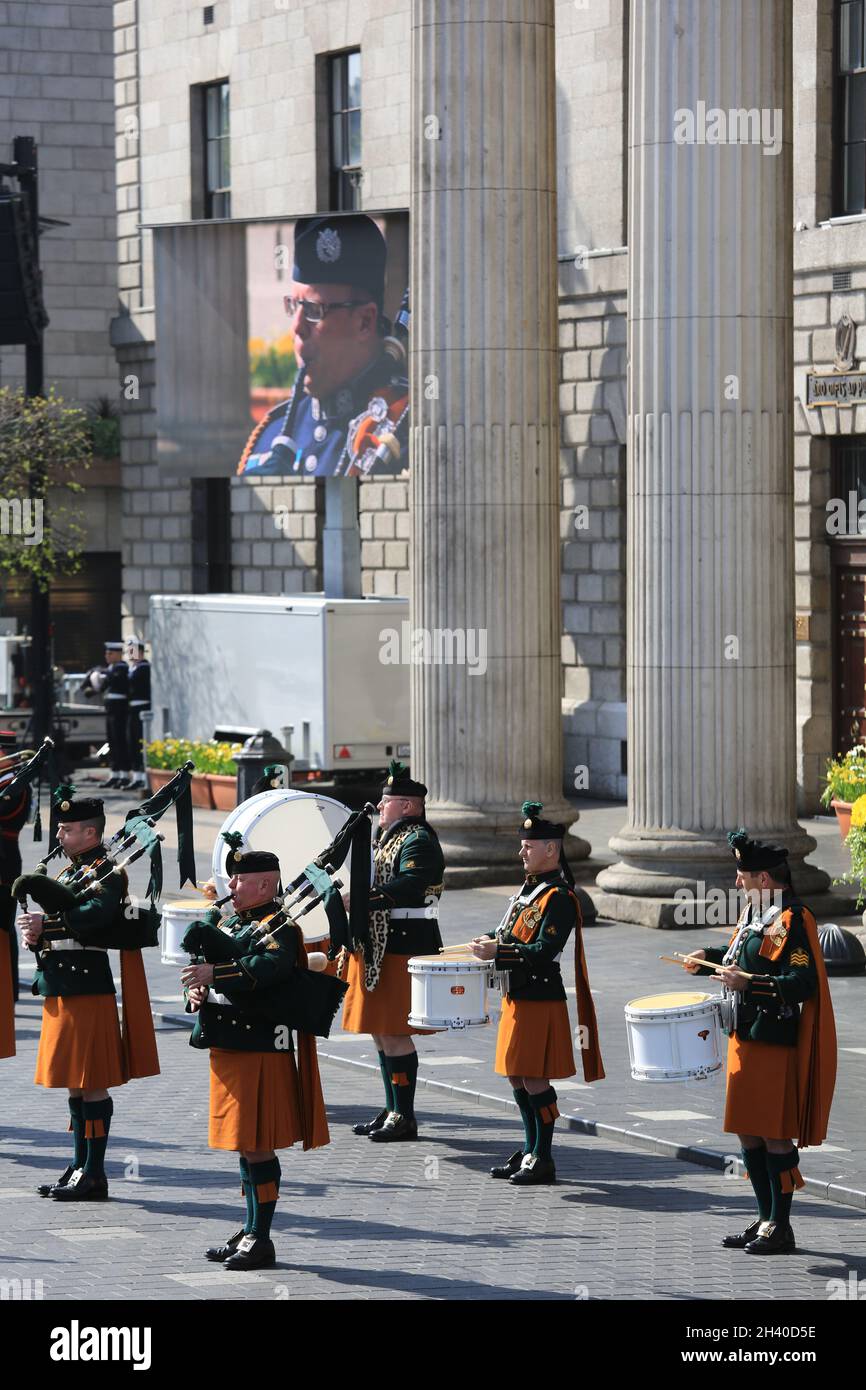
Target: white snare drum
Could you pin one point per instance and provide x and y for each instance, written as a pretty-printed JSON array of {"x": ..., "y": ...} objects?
[
  {"x": 296, "y": 827},
  {"x": 674, "y": 1037},
  {"x": 176, "y": 917},
  {"x": 449, "y": 991}
]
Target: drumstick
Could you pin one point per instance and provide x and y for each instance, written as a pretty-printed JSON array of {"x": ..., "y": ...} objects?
[
  {"x": 710, "y": 965},
  {"x": 462, "y": 946}
]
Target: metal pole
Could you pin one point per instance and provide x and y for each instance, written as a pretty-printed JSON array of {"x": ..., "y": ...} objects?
[{"x": 42, "y": 675}]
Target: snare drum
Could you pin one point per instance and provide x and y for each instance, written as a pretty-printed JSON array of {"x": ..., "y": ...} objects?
[
  {"x": 674, "y": 1037},
  {"x": 176, "y": 918},
  {"x": 449, "y": 991}
]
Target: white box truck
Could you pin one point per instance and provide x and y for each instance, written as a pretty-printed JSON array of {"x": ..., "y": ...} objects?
[{"x": 306, "y": 667}]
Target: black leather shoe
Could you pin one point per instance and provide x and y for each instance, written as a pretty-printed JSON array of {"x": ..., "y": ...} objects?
[
  {"x": 395, "y": 1129},
  {"x": 252, "y": 1253},
  {"x": 82, "y": 1188},
  {"x": 741, "y": 1241},
  {"x": 535, "y": 1172},
  {"x": 372, "y": 1125},
  {"x": 510, "y": 1166},
  {"x": 45, "y": 1189},
  {"x": 218, "y": 1253},
  {"x": 772, "y": 1240}
]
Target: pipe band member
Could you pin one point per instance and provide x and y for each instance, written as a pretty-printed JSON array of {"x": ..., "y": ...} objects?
[
  {"x": 409, "y": 868},
  {"x": 261, "y": 1100},
  {"x": 81, "y": 1046},
  {"x": 781, "y": 1063},
  {"x": 533, "y": 1045}
]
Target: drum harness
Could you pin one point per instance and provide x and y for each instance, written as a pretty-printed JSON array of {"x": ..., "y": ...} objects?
[{"x": 733, "y": 1007}]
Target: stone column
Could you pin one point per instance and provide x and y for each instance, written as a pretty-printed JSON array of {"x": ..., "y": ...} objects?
[
  {"x": 710, "y": 452},
  {"x": 484, "y": 371}
]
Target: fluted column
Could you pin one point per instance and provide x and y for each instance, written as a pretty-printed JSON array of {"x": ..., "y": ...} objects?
[
  {"x": 710, "y": 469},
  {"x": 484, "y": 365}
]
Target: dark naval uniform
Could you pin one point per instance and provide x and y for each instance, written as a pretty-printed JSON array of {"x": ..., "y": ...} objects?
[
  {"x": 139, "y": 702},
  {"x": 261, "y": 1099},
  {"x": 408, "y": 880},
  {"x": 781, "y": 1056},
  {"x": 363, "y": 428},
  {"x": 115, "y": 694}
]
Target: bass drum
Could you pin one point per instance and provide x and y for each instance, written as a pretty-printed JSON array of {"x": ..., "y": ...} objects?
[{"x": 296, "y": 827}]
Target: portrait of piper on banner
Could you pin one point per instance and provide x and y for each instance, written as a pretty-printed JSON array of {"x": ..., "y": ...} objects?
[{"x": 329, "y": 389}]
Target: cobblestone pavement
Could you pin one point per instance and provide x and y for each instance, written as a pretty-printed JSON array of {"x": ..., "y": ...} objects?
[
  {"x": 424, "y": 1220},
  {"x": 358, "y": 1221}
]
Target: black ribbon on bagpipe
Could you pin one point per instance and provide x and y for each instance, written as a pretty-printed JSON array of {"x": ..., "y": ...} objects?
[
  {"x": 351, "y": 931},
  {"x": 177, "y": 792}
]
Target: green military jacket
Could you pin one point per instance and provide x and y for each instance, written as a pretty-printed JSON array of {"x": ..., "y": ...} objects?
[
  {"x": 774, "y": 946},
  {"x": 245, "y": 1010},
  {"x": 532, "y": 934},
  {"x": 72, "y": 958},
  {"x": 409, "y": 868}
]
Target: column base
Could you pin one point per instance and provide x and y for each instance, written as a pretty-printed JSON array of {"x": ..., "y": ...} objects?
[
  {"x": 670, "y": 879},
  {"x": 481, "y": 846}
]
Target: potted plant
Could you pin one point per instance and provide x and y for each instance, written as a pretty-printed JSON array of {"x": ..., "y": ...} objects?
[
  {"x": 856, "y": 842},
  {"x": 846, "y": 781},
  {"x": 221, "y": 771},
  {"x": 165, "y": 756}
]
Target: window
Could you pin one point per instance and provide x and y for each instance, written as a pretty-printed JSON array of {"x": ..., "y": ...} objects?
[
  {"x": 216, "y": 165},
  {"x": 344, "y": 107},
  {"x": 850, "y": 108}
]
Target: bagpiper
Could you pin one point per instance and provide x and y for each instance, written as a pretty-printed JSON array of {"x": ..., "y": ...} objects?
[
  {"x": 81, "y": 1047},
  {"x": 261, "y": 1100}
]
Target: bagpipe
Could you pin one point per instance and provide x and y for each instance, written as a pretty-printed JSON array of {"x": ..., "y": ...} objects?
[
  {"x": 137, "y": 925},
  {"x": 308, "y": 1001},
  {"x": 28, "y": 767}
]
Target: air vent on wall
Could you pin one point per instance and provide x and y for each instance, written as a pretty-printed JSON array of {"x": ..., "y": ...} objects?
[
  {"x": 208, "y": 14},
  {"x": 841, "y": 280}
]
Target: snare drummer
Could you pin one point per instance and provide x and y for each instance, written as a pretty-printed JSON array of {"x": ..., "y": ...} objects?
[
  {"x": 534, "y": 1040},
  {"x": 408, "y": 873},
  {"x": 260, "y": 1099},
  {"x": 781, "y": 1062}
]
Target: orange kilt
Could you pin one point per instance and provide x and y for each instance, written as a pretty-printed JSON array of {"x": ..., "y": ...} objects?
[
  {"x": 254, "y": 1101},
  {"x": 534, "y": 1039},
  {"x": 7, "y": 1002},
  {"x": 384, "y": 1009},
  {"x": 761, "y": 1096},
  {"x": 79, "y": 1045}
]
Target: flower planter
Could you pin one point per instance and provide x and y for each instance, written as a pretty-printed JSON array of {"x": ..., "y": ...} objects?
[
  {"x": 224, "y": 791},
  {"x": 200, "y": 791},
  {"x": 843, "y": 816},
  {"x": 158, "y": 776}
]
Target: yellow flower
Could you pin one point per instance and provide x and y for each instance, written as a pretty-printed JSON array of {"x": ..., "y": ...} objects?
[{"x": 858, "y": 813}]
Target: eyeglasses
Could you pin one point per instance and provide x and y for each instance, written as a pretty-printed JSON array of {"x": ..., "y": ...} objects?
[{"x": 314, "y": 312}]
